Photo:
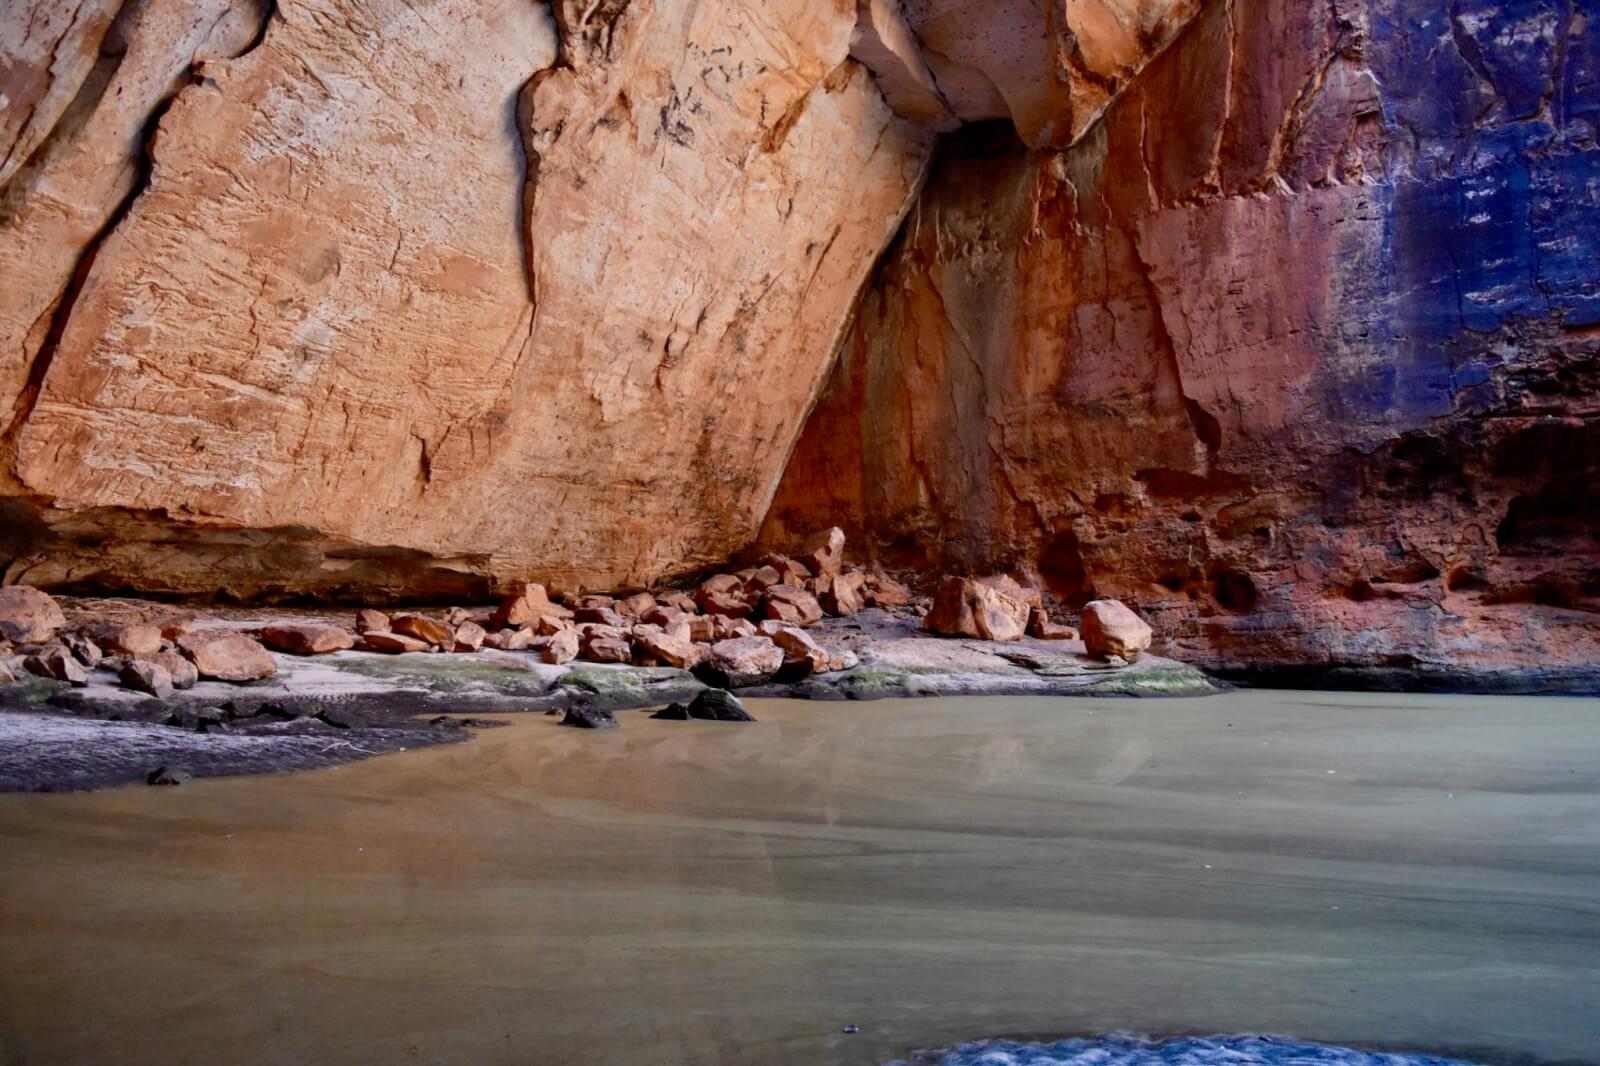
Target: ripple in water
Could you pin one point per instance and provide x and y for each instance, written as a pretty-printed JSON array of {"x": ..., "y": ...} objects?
[{"x": 1183, "y": 1051}]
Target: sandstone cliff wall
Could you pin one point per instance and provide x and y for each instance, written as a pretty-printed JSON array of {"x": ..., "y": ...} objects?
[{"x": 1297, "y": 349}]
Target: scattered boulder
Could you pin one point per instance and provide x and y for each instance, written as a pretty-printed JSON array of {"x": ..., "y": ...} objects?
[
  {"x": 844, "y": 660},
  {"x": 599, "y": 614},
  {"x": 516, "y": 639},
  {"x": 671, "y": 648},
  {"x": 681, "y": 600},
  {"x": 799, "y": 650},
  {"x": 637, "y": 604},
  {"x": 718, "y": 705},
  {"x": 521, "y": 607},
  {"x": 370, "y": 621},
  {"x": 662, "y": 615},
  {"x": 456, "y": 616},
  {"x": 1040, "y": 626},
  {"x": 422, "y": 627},
  {"x": 790, "y": 571},
  {"x": 840, "y": 594},
  {"x": 83, "y": 649},
  {"x": 593, "y": 599},
  {"x": 174, "y": 627},
  {"x": 603, "y": 649},
  {"x": 763, "y": 578},
  {"x": 791, "y": 604},
  {"x": 560, "y": 648},
  {"x": 393, "y": 643},
  {"x": 724, "y": 604},
  {"x": 57, "y": 663},
  {"x": 724, "y": 628},
  {"x": 745, "y": 661},
  {"x": 1111, "y": 628},
  {"x": 468, "y": 637},
  {"x": 965, "y": 607},
  {"x": 227, "y": 656},
  {"x": 141, "y": 675},
  {"x": 824, "y": 553},
  {"x": 181, "y": 670},
  {"x": 702, "y": 627},
  {"x": 137, "y": 641},
  {"x": 307, "y": 638},
  {"x": 727, "y": 583},
  {"x": 589, "y": 718},
  {"x": 1009, "y": 585},
  {"x": 169, "y": 775},
  {"x": 881, "y": 591},
  {"x": 548, "y": 625},
  {"x": 28, "y": 616}
]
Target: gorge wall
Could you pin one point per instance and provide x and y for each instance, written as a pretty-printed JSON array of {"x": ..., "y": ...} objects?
[
  {"x": 1296, "y": 349},
  {"x": 1278, "y": 320}
]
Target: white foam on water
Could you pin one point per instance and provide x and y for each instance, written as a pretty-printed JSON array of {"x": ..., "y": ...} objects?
[{"x": 1182, "y": 1051}]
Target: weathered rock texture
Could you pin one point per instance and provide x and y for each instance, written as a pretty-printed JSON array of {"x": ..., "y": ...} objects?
[
  {"x": 361, "y": 322},
  {"x": 1296, "y": 350}
]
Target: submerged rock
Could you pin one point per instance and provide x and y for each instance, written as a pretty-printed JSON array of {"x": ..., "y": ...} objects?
[
  {"x": 590, "y": 718},
  {"x": 169, "y": 775},
  {"x": 718, "y": 705},
  {"x": 673, "y": 712}
]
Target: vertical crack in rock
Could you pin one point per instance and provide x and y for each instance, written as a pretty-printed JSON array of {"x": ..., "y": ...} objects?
[{"x": 61, "y": 313}]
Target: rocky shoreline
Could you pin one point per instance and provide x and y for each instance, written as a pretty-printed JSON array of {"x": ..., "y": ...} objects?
[{"x": 99, "y": 692}]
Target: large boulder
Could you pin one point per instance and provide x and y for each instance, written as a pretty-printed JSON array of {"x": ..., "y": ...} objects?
[
  {"x": 227, "y": 656},
  {"x": 468, "y": 637},
  {"x": 57, "y": 663},
  {"x": 744, "y": 661},
  {"x": 422, "y": 627},
  {"x": 824, "y": 552},
  {"x": 181, "y": 670},
  {"x": 560, "y": 648},
  {"x": 307, "y": 638},
  {"x": 393, "y": 643},
  {"x": 136, "y": 641},
  {"x": 792, "y": 604},
  {"x": 841, "y": 594},
  {"x": 800, "y": 652},
  {"x": 148, "y": 677},
  {"x": 718, "y": 705},
  {"x": 966, "y": 607},
  {"x": 28, "y": 616},
  {"x": 1111, "y": 628}
]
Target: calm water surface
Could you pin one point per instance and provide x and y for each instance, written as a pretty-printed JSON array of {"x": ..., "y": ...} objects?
[{"x": 1377, "y": 871}]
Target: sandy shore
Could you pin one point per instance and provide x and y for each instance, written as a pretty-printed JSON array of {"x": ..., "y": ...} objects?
[{"x": 1412, "y": 871}]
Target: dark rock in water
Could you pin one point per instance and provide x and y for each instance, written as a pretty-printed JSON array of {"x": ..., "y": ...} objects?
[
  {"x": 169, "y": 775},
  {"x": 673, "y": 712},
  {"x": 589, "y": 718},
  {"x": 719, "y": 705}
]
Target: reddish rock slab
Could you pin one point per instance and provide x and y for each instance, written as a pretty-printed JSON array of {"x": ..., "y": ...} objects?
[
  {"x": 307, "y": 638},
  {"x": 965, "y": 607},
  {"x": 393, "y": 643},
  {"x": 422, "y": 627},
  {"x": 227, "y": 656},
  {"x": 745, "y": 661}
]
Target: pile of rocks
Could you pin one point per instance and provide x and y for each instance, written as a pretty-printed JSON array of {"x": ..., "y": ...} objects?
[
  {"x": 998, "y": 607},
  {"x": 154, "y": 658},
  {"x": 735, "y": 629}
]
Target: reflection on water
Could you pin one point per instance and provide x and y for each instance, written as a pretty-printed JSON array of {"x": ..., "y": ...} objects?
[
  {"x": 1185, "y": 1051},
  {"x": 1401, "y": 872}
]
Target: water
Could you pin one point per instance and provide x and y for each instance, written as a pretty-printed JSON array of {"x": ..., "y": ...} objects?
[
  {"x": 1403, "y": 872},
  {"x": 1185, "y": 1051}
]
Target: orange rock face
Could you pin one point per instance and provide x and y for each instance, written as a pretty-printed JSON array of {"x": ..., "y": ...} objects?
[{"x": 440, "y": 320}]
